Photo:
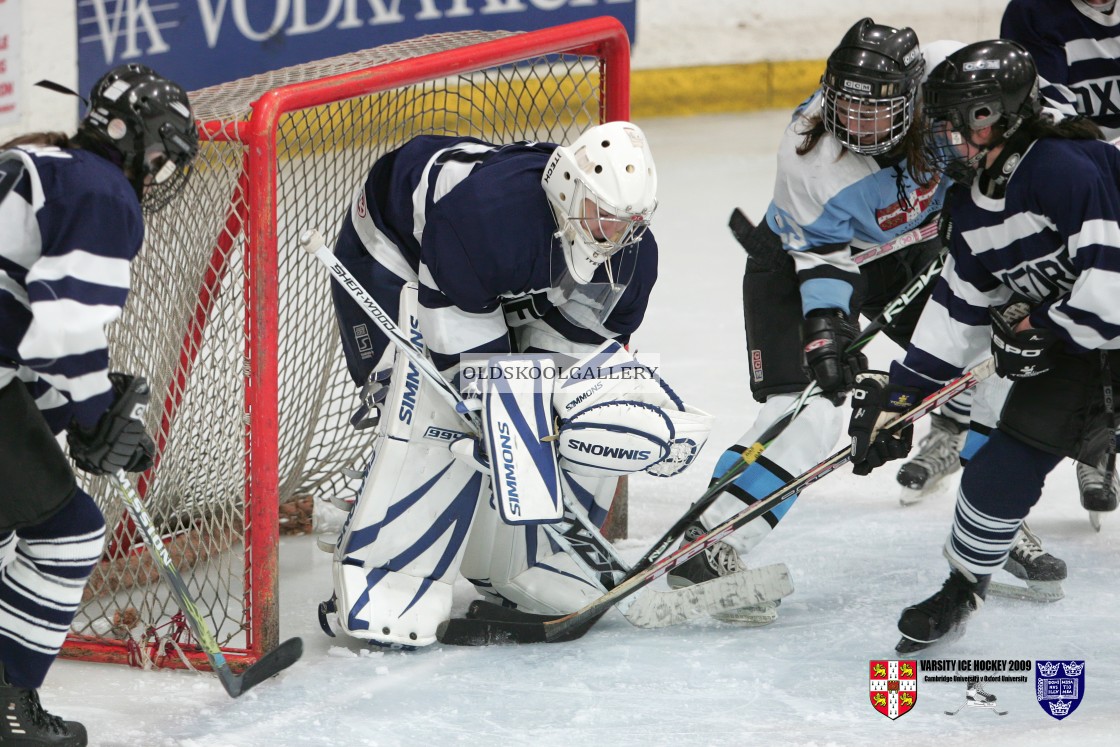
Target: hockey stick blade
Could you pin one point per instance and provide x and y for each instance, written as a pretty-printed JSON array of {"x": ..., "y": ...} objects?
[
  {"x": 574, "y": 625},
  {"x": 271, "y": 663},
  {"x": 741, "y": 226},
  {"x": 746, "y": 588}
]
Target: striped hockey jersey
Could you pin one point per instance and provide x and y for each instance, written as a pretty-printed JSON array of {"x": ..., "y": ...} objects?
[
  {"x": 1054, "y": 238},
  {"x": 1077, "y": 50},
  {"x": 70, "y": 224}
]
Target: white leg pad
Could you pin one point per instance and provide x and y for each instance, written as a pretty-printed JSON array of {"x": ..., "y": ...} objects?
[{"x": 524, "y": 566}]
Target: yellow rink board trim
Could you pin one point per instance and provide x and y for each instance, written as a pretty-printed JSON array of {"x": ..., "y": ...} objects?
[
  {"x": 712, "y": 89},
  {"x": 477, "y": 108}
]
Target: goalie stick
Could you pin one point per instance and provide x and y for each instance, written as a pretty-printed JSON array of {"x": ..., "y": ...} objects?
[
  {"x": 275, "y": 661},
  {"x": 741, "y": 227},
  {"x": 569, "y": 627}
]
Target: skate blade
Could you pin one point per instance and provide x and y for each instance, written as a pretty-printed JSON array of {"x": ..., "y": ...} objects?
[
  {"x": 1034, "y": 591},
  {"x": 1095, "y": 520}
]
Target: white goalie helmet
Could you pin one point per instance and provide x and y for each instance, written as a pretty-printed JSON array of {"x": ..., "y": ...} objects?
[{"x": 603, "y": 190}]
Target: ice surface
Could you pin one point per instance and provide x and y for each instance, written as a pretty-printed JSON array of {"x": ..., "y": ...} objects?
[{"x": 856, "y": 556}]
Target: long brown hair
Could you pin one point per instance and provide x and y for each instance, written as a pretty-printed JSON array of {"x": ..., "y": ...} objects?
[
  {"x": 912, "y": 146},
  {"x": 57, "y": 139}
]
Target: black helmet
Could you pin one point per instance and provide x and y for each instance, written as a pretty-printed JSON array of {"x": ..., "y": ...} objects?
[
  {"x": 986, "y": 84},
  {"x": 872, "y": 80},
  {"x": 147, "y": 121}
]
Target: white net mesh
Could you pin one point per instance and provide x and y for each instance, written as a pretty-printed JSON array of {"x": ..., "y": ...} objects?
[{"x": 194, "y": 309}]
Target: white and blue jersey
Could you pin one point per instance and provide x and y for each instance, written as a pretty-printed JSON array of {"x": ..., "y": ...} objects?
[
  {"x": 1054, "y": 238},
  {"x": 70, "y": 224},
  {"x": 471, "y": 222},
  {"x": 1077, "y": 50},
  {"x": 830, "y": 200}
]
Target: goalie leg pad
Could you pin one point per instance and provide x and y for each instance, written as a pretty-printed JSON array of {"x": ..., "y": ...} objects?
[
  {"x": 403, "y": 541},
  {"x": 522, "y": 565},
  {"x": 808, "y": 439}
]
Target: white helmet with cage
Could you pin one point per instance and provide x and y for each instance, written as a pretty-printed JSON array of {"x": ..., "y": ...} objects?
[{"x": 603, "y": 190}]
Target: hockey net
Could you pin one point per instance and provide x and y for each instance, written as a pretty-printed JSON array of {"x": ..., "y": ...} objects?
[{"x": 233, "y": 324}]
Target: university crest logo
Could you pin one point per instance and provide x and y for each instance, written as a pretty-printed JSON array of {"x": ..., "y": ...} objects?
[
  {"x": 1059, "y": 685},
  {"x": 894, "y": 686}
]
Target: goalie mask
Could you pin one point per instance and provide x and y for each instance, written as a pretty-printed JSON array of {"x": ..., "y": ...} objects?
[
  {"x": 602, "y": 189},
  {"x": 146, "y": 121},
  {"x": 986, "y": 84},
  {"x": 871, "y": 87}
]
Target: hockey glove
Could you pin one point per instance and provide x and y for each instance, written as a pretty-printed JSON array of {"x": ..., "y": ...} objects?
[
  {"x": 875, "y": 401},
  {"x": 828, "y": 333},
  {"x": 1020, "y": 355},
  {"x": 470, "y": 452},
  {"x": 119, "y": 440}
]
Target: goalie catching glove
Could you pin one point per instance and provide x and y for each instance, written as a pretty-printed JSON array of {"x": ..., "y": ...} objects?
[
  {"x": 118, "y": 441},
  {"x": 1023, "y": 354},
  {"x": 875, "y": 401},
  {"x": 618, "y": 416}
]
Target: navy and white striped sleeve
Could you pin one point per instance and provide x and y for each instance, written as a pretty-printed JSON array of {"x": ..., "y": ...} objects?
[
  {"x": 1087, "y": 216},
  {"x": 77, "y": 287},
  {"x": 954, "y": 330}
]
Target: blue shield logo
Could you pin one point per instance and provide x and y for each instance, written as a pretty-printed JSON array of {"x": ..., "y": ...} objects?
[{"x": 1059, "y": 685}]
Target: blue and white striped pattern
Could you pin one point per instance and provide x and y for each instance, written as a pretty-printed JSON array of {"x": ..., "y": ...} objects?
[
  {"x": 41, "y": 586},
  {"x": 1053, "y": 238},
  {"x": 979, "y": 541},
  {"x": 1077, "y": 50},
  {"x": 68, "y": 230}
]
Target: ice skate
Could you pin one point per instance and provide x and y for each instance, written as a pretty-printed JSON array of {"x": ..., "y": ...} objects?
[
  {"x": 977, "y": 697},
  {"x": 938, "y": 456},
  {"x": 26, "y": 722},
  {"x": 720, "y": 560},
  {"x": 1092, "y": 485},
  {"x": 1042, "y": 572},
  {"x": 941, "y": 618}
]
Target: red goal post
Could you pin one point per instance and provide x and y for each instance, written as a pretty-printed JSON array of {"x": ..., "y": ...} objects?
[{"x": 233, "y": 324}]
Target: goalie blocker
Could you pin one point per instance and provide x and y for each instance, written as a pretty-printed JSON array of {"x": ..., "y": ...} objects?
[{"x": 424, "y": 513}]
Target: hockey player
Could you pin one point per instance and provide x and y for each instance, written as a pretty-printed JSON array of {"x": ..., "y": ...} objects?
[
  {"x": 1076, "y": 46},
  {"x": 70, "y": 223},
  {"x": 519, "y": 248},
  {"x": 851, "y": 174},
  {"x": 1039, "y": 221}
]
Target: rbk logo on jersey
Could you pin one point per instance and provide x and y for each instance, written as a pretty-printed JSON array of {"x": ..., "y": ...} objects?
[{"x": 894, "y": 686}]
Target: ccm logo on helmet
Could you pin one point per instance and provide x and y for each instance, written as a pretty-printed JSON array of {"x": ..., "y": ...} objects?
[{"x": 612, "y": 452}]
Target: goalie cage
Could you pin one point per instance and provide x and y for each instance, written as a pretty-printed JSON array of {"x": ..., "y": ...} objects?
[{"x": 233, "y": 324}]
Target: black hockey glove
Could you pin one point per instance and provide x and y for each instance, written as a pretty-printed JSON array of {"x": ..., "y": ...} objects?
[
  {"x": 828, "y": 333},
  {"x": 119, "y": 440},
  {"x": 1020, "y": 355},
  {"x": 875, "y": 401}
]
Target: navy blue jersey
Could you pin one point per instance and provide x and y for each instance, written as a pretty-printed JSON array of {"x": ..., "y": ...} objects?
[
  {"x": 1077, "y": 50},
  {"x": 471, "y": 221},
  {"x": 70, "y": 223},
  {"x": 1053, "y": 238}
]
